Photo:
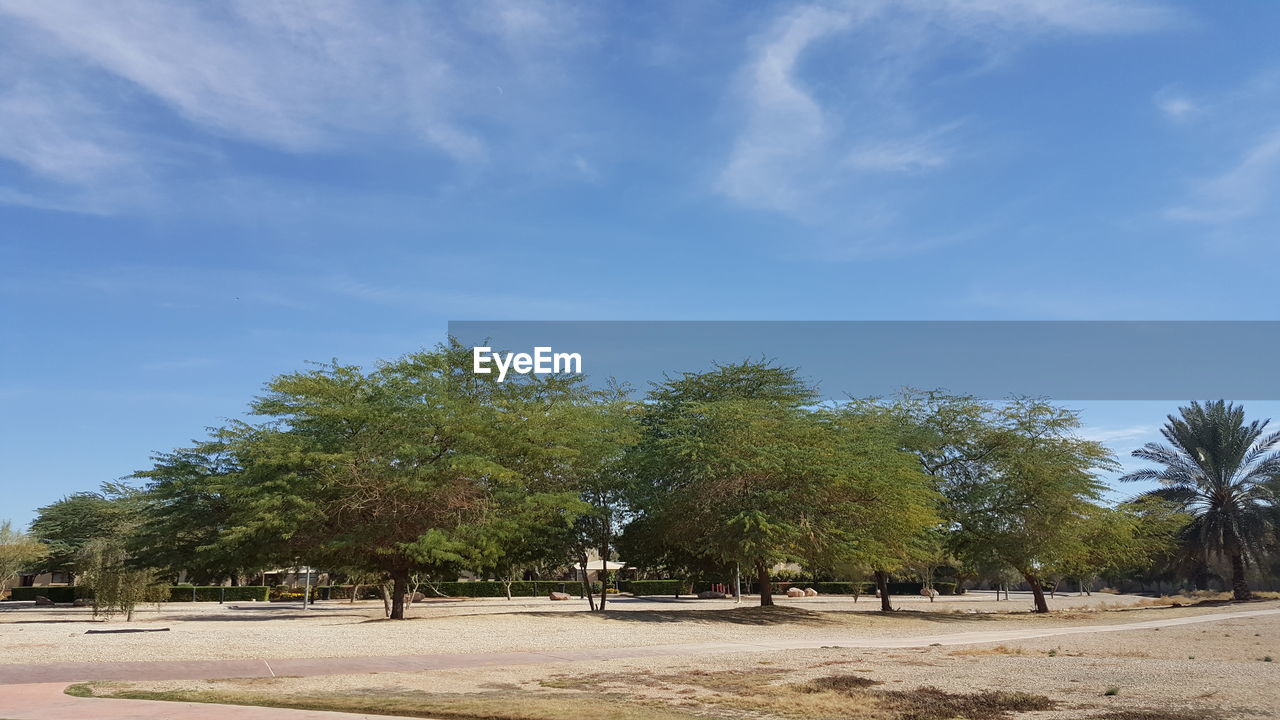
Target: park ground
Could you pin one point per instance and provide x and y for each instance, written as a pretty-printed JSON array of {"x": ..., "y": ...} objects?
[{"x": 826, "y": 657}]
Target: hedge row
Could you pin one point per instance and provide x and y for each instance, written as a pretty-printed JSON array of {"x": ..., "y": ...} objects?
[
  {"x": 657, "y": 587},
  {"x": 56, "y": 593},
  {"x": 683, "y": 587},
  {"x": 218, "y": 593},
  {"x": 178, "y": 593},
  {"x": 867, "y": 588},
  {"x": 494, "y": 588}
]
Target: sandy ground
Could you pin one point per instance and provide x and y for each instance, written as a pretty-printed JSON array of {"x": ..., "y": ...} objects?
[
  {"x": 198, "y": 631},
  {"x": 1210, "y": 670}
]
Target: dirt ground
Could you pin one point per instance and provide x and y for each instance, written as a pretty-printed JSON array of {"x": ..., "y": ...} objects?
[
  {"x": 201, "y": 631},
  {"x": 1216, "y": 669},
  {"x": 1211, "y": 670}
]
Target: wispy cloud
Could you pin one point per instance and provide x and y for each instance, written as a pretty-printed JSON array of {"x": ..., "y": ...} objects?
[
  {"x": 785, "y": 125},
  {"x": 1120, "y": 436},
  {"x": 1176, "y": 105},
  {"x": 808, "y": 139},
  {"x": 333, "y": 77},
  {"x": 1240, "y": 191},
  {"x": 1238, "y": 131}
]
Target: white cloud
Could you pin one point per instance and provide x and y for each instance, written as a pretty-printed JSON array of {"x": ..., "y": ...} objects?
[
  {"x": 785, "y": 125},
  {"x": 294, "y": 76},
  {"x": 1239, "y": 192},
  {"x": 58, "y": 134},
  {"x": 809, "y": 143},
  {"x": 329, "y": 77},
  {"x": 1177, "y": 106},
  {"x": 585, "y": 168},
  {"x": 911, "y": 155},
  {"x": 1120, "y": 436}
]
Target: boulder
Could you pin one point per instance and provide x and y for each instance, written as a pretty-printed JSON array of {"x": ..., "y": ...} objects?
[
  {"x": 42, "y": 600},
  {"x": 810, "y": 592},
  {"x": 795, "y": 592},
  {"x": 711, "y": 595},
  {"x": 83, "y": 602},
  {"x": 559, "y": 596}
]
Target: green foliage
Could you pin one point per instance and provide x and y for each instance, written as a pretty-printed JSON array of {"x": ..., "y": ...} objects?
[
  {"x": 173, "y": 593},
  {"x": 68, "y": 525},
  {"x": 493, "y": 588},
  {"x": 1225, "y": 474},
  {"x": 656, "y": 587},
  {"x": 216, "y": 593},
  {"x": 18, "y": 552},
  {"x": 116, "y": 587},
  {"x": 187, "y": 511},
  {"x": 1018, "y": 485},
  {"x": 56, "y": 593},
  {"x": 739, "y": 469}
]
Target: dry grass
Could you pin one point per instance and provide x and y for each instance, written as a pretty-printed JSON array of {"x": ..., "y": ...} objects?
[
  {"x": 997, "y": 650},
  {"x": 720, "y": 694},
  {"x": 436, "y": 705},
  {"x": 1159, "y": 714},
  {"x": 857, "y": 697}
]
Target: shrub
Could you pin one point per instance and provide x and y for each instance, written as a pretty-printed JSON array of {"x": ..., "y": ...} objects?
[
  {"x": 214, "y": 593},
  {"x": 56, "y": 593},
  {"x": 343, "y": 592},
  {"x": 495, "y": 588},
  {"x": 657, "y": 587}
]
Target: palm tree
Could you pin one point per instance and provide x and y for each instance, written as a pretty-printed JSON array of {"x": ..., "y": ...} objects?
[{"x": 1225, "y": 474}]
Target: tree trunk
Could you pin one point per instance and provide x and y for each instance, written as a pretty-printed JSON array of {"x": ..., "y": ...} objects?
[
  {"x": 766, "y": 588},
  {"x": 1239, "y": 584},
  {"x": 1037, "y": 591},
  {"x": 586, "y": 581},
  {"x": 399, "y": 588},
  {"x": 604, "y": 560},
  {"x": 506, "y": 584},
  {"x": 882, "y": 584},
  {"x": 386, "y": 598}
]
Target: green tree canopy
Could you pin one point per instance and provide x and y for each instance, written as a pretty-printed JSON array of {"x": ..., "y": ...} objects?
[
  {"x": 66, "y": 526},
  {"x": 741, "y": 469},
  {"x": 1225, "y": 473}
]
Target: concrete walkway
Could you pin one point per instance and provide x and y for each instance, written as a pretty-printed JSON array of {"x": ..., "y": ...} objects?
[{"x": 34, "y": 692}]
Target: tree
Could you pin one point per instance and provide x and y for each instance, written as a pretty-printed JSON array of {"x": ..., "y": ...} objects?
[
  {"x": 117, "y": 585},
  {"x": 741, "y": 469},
  {"x": 1016, "y": 483},
  {"x": 395, "y": 470},
  {"x": 1115, "y": 541},
  {"x": 1223, "y": 472},
  {"x": 66, "y": 526},
  {"x": 188, "y": 504},
  {"x": 18, "y": 552}
]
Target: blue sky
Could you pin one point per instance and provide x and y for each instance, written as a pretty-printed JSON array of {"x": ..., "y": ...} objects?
[{"x": 194, "y": 197}]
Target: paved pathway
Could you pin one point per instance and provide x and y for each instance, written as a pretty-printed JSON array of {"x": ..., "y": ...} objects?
[{"x": 34, "y": 692}]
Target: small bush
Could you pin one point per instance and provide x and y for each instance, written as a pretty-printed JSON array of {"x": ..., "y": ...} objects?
[
  {"x": 657, "y": 587},
  {"x": 495, "y": 588},
  {"x": 1113, "y": 690},
  {"x": 216, "y": 593},
  {"x": 56, "y": 593}
]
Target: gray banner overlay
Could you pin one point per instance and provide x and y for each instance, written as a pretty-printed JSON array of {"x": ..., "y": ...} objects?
[{"x": 1067, "y": 360}]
